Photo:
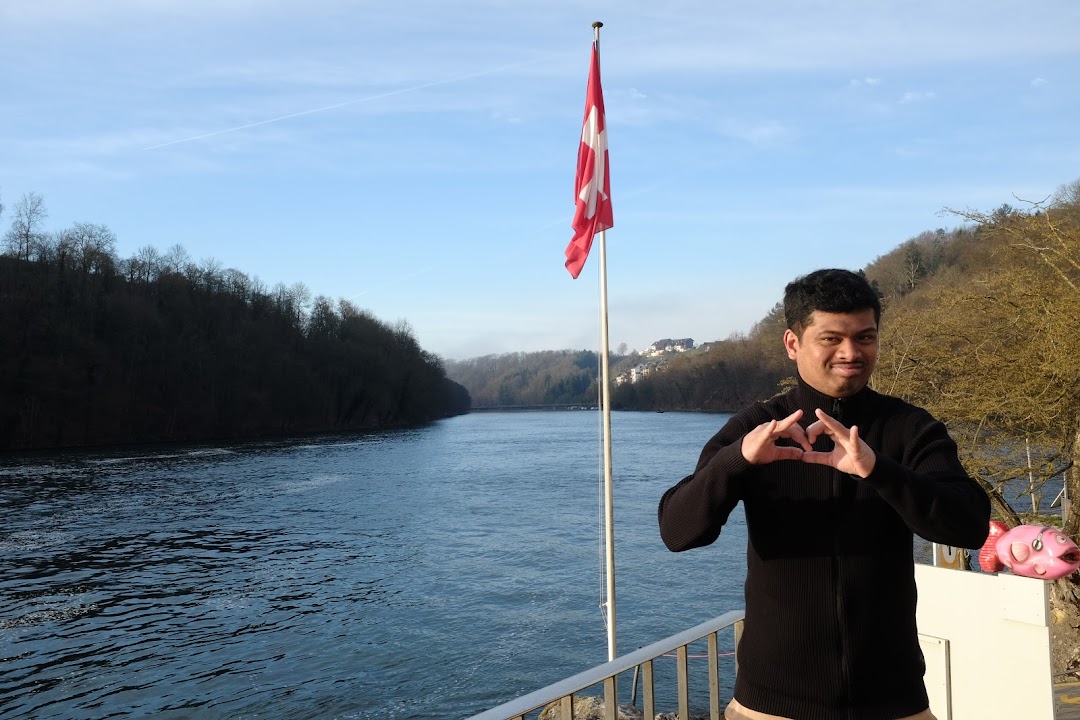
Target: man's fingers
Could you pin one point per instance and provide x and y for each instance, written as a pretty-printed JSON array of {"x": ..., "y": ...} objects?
[
  {"x": 819, "y": 429},
  {"x": 818, "y": 458},
  {"x": 828, "y": 425},
  {"x": 797, "y": 434},
  {"x": 829, "y": 421},
  {"x": 790, "y": 453},
  {"x": 789, "y": 421},
  {"x": 755, "y": 442},
  {"x": 759, "y": 445},
  {"x": 767, "y": 432},
  {"x": 847, "y": 438},
  {"x": 789, "y": 428},
  {"x": 853, "y": 444}
]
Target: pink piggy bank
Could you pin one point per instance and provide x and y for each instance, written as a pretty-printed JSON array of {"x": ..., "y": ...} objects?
[{"x": 1037, "y": 551}]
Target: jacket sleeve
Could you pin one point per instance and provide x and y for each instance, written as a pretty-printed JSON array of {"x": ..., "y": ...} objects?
[
  {"x": 929, "y": 487},
  {"x": 692, "y": 512}
]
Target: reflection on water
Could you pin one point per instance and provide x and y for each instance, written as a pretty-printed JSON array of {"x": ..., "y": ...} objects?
[{"x": 421, "y": 574}]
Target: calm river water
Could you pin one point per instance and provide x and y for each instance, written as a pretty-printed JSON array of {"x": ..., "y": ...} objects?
[{"x": 428, "y": 573}]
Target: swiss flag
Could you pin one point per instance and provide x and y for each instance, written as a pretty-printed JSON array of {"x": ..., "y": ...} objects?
[{"x": 593, "y": 187}]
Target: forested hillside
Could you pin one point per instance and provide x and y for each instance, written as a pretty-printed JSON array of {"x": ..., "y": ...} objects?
[
  {"x": 982, "y": 331},
  {"x": 103, "y": 350},
  {"x": 984, "y": 336},
  {"x": 550, "y": 377}
]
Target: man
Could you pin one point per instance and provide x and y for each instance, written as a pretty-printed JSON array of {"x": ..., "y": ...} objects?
[{"x": 834, "y": 479}]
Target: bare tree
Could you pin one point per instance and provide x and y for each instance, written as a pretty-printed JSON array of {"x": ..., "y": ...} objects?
[
  {"x": 176, "y": 260},
  {"x": 323, "y": 321},
  {"x": 94, "y": 247},
  {"x": 237, "y": 283},
  {"x": 914, "y": 266},
  {"x": 26, "y": 232},
  {"x": 283, "y": 300},
  {"x": 301, "y": 296},
  {"x": 210, "y": 275},
  {"x": 64, "y": 249},
  {"x": 147, "y": 264}
]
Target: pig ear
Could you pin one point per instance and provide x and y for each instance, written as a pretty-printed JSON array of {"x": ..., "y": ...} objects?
[
  {"x": 1039, "y": 569},
  {"x": 1020, "y": 551}
]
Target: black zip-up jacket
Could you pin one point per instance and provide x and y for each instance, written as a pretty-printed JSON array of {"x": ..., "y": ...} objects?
[{"x": 830, "y": 584}]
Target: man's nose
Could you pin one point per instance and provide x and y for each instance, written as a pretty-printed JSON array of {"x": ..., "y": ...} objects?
[{"x": 848, "y": 350}]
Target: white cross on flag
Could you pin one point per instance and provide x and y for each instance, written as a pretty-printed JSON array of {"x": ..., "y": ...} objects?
[{"x": 592, "y": 213}]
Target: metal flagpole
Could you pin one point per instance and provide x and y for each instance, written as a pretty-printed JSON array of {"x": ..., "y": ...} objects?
[{"x": 609, "y": 514}]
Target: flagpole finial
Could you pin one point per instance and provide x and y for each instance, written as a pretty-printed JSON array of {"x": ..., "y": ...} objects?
[{"x": 598, "y": 24}]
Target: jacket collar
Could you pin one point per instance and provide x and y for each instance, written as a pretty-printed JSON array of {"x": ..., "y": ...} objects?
[{"x": 810, "y": 399}]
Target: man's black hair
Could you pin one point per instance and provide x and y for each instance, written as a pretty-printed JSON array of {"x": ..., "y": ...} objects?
[{"x": 832, "y": 291}]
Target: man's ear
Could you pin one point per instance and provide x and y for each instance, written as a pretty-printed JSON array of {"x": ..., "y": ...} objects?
[{"x": 791, "y": 343}]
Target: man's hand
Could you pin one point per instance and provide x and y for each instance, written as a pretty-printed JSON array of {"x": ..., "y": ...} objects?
[
  {"x": 849, "y": 454},
  {"x": 759, "y": 445}
]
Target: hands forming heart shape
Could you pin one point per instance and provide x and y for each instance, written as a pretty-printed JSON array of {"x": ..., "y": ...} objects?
[{"x": 850, "y": 454}]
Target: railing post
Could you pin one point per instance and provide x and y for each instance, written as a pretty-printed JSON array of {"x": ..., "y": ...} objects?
[
  {"x": 647, "y": 702},
  {"x": 684, "y": 684},
  {"x": 714, "y": 678},
  {"x": 738, "y": 630},
  {"x": 611, "y": 697}
]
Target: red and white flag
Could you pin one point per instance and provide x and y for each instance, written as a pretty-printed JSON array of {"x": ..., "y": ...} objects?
[{"x": 592, "y": 213}]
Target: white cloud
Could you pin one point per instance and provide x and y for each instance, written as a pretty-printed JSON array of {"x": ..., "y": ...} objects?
[
  {"x": 869, "y": 81},
  {"x": 915, "y": 97},
  {"x": 1039, "y": 82},
  {"x": 762, "y": 133},
  {"x": 505, "y": 117}
]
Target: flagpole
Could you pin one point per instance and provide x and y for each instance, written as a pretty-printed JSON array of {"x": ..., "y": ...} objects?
[{"x": 609, "y": 512}]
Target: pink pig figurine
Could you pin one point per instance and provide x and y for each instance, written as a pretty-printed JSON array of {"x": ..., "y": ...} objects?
[{"x": 1037, "y": 551}]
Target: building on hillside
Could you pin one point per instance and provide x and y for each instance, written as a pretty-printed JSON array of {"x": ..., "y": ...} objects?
[
  {"x": 634, "y": 374},
  {"x": 668, "y": 345}
]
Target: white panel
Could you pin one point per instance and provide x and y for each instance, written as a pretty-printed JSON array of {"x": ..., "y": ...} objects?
[
  {"x": 998, "y": 636},
  {"x": 936, "y": 652},
  {"x": 1021, "y": 599}
]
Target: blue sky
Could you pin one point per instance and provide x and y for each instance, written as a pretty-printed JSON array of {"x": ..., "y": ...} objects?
[{"x": 417, "y": 156}]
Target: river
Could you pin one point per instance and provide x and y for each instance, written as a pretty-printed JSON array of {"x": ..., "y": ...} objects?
[{"x": 427, "y": 573}]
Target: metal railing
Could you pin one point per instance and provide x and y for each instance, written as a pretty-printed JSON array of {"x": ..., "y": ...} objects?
[{"x": 563, "y": 692}]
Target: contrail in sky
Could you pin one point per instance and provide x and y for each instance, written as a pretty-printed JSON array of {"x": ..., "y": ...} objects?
[
  {"x": 411, "y": 275},
  {"x": 335, "y": 106}
]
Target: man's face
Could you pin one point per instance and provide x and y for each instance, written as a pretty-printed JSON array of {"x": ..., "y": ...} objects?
[{"x": 837, "y": 351}]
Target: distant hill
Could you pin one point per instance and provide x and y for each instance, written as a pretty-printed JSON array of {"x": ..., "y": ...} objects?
[
  {"x": 555, "y": 377},
  {"x": 550, "y": 377}
]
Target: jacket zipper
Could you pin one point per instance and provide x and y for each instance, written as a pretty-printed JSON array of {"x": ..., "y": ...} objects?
[{"x": 845, "y": 668}]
